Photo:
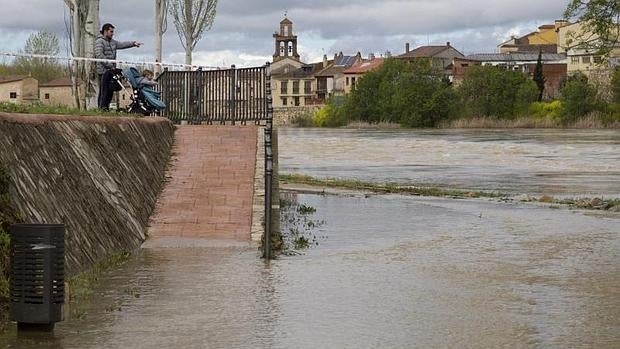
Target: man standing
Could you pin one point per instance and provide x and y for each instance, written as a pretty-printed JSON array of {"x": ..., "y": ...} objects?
[{"x": 105, "y": 48}]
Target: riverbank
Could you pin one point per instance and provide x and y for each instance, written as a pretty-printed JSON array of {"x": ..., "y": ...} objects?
[
  {"x": 313, "y": 185},
  {"x": 590, "y": 122}
]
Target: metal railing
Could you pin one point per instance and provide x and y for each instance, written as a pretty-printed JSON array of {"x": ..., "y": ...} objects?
[
  {"x": 268, "y": 163},
  {"x": 209, "y": 96}
]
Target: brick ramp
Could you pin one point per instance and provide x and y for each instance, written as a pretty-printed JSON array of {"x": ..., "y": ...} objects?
[{"x": 208, "y": 197}]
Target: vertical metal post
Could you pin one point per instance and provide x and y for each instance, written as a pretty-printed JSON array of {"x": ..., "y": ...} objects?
[{"x": 268, "y": 163}]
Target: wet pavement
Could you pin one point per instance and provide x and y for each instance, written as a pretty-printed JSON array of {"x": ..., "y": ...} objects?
[
  {"x": 542, "y": 162},
  {"x": 393, "y": 272}
]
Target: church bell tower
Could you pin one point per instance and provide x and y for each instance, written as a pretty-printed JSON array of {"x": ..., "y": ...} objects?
[{"x": 286, "y": 42}]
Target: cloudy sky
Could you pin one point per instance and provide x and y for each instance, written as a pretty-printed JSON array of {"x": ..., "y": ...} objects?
[{"x": 242, "y": 32}]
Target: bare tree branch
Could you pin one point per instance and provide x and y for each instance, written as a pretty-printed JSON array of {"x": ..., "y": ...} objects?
[{"x": 191, "y": 19}]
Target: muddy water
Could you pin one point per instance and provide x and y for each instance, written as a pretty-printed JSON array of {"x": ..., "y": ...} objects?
[
  {"x": 394, "y": 272},
  {"x": 551, "y": 162}
]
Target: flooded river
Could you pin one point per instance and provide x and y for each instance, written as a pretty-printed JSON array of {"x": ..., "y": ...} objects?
[
  {"x": 549, "y": 162},
  {"x": 389, "y": 271}
]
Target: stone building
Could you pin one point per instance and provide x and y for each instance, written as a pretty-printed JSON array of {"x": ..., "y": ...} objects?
[
  {"x": 19, "y": 89},
  {"x": 292, "y": 81}
]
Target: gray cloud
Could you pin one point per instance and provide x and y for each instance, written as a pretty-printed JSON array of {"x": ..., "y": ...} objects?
[{"x": 322, "y": 25}]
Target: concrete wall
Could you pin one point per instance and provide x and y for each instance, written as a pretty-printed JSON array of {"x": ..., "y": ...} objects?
[{"x": 99, "y": 176}]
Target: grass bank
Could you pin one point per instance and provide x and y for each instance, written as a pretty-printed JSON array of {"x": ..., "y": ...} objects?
[
  {"x": 612, "y": 205},
  {"x": 7, "y": 107},
  {"x": 593, "y": 121},
  {"x": 8, "y": 216},
  {"x": 388, "y": 188}
]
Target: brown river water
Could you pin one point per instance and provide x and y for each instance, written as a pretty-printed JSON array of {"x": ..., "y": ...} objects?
[{"x": 389, "y": 271}]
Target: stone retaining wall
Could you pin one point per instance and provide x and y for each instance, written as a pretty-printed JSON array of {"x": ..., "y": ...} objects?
[{"x": 99, "y": 176}]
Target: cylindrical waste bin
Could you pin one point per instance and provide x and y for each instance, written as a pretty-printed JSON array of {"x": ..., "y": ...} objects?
[{"x": 37, "y": 291}]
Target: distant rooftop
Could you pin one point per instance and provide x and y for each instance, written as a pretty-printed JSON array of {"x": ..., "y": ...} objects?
[
  {"x": 515, "y": 56},
  {"x": 365, "y": 66}
]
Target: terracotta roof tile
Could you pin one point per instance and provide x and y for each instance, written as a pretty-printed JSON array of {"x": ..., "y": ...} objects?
[
  {"x": 365, "y": 66},
  {"x": 60, "y": 82},
  {"x": 11, "y": 78}
]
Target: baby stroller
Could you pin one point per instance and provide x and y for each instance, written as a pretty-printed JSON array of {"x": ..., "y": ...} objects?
[{"x": 144, "y": 100}]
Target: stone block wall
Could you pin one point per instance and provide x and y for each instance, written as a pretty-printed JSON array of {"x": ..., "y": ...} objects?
[{"x": 99, "y": 176}]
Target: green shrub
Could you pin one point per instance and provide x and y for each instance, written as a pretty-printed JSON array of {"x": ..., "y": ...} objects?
[
  {"x": 496, "y": 92},
  {"x": 412, "y": 94},
  {"x": 8, "y": 216},
  {"x": 615, "y": 85},
  {"x": 578, "y": 98},
  {"x": 331, "y": 115},
  {"x": 303, "y": 120},
  {"x": 550, "y": 110}
]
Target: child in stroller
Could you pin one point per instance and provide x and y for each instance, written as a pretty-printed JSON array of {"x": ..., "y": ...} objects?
[{"x": 144, "y": 100}]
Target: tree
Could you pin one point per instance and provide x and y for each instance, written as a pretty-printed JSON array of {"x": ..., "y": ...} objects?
[
  {"x": 411, "y": 94},
  {"x": 539, "y": 78},
  {"x": 83, "y": 30},
  {"x": 615, "y": 85},
  {"x": 191, "y": 19},
  {"x": 496, "y": 92},
  {"x": 161, "y": 25},
  {"x": 44, "y": 70},
  {"x": 578, "y": 97},
  {"x": 601, "y": 23}
]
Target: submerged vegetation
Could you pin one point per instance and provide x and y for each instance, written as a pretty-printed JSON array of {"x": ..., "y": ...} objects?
[
  {"x": 391, "y": 188},
  {"x": 388, "y": 188},
  {"x": 298, "y": 226}
]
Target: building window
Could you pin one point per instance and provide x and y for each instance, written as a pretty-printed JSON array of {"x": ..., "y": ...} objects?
[
  {"x": 307, "y": 101},
  {"x": 13, "y": 95},
  {"x": 281, "y": 48},
  {"x": 47, "y": 96},
  {"x": 597, "y": 59},
  {"x": 347, "y": 81},
  {"x": 123, "y": 97},
  {"x": 296, "y": 100},
  {"x": 574, "y": 60},
  {"x": 307, "y": 87},
  {"x": 286, "y": 30},
  {"x": 284, "y": 87},
  {"x": 585, "y": 60},
  {"x": 290, "y": 48},
  {"x": 295, "y": 87},
  {"x": 352, "y": 81},
  {"x": 284, "y": 100}
]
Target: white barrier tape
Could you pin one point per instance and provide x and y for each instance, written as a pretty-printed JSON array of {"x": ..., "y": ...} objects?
[{"x": 115, "y": 61}]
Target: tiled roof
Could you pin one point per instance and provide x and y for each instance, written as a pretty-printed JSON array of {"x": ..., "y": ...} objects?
[
  {"x": 546, "y": 48},
  {"x": 60, "y": 82},
  {"x": 515, "y": 56},
  {"x": 339, "y": 65},
  {"x": 424, "y": 52},
  {"x": 305, "y": 71},
  {"x": 11, "y": 78},
  {"x": 364, "y": 67}
]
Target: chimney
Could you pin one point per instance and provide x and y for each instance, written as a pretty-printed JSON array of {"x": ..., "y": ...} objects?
[
  {"x": 324, "y": 61},
  {"x": 448, "y": 43},
  {"x": 358, "y": 57},
  {"x": 407, "y": 47}
]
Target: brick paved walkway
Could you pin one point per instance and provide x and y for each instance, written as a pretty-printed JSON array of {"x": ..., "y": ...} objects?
[{"x": 211, "y": 186}]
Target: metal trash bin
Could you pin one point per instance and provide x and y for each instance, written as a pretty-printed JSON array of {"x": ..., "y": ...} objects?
[{"x": 37, "y": 290}]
